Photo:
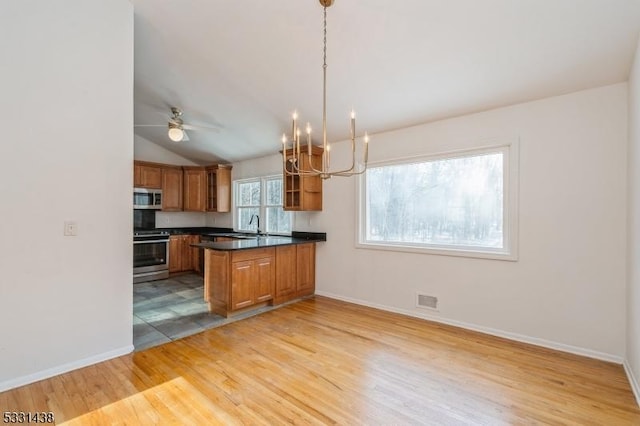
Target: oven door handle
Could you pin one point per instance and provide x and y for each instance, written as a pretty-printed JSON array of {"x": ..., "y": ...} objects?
[{"x": 150, "y": 241}]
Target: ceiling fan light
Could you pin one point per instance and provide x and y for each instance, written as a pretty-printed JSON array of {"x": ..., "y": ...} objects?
[{"x": 176, "y": 134}]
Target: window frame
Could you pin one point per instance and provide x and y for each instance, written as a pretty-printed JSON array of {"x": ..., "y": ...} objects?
[
  {"x": 509, "y": 251},
  {"x": 262, "y": 208}
]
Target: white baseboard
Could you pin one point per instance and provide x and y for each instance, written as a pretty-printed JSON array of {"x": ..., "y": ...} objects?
[
  {"x": 492, "y": 331},
  {"x": 54, "y": 371},
  {"x": 632, "y": 380}
]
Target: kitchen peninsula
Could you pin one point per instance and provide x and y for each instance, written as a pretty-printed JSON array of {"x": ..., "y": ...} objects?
[{"x": 251, "y": 272}]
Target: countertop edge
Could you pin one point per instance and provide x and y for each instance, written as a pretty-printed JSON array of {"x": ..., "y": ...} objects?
[{"x": 250, "y": 244}]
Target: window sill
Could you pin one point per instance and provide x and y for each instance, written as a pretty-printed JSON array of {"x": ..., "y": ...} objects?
[{"x": 440, "y": 251}]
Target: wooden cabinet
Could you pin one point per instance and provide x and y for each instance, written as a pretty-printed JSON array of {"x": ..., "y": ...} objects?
[
  {"x": 242, "y": 274},
  {"x": 252, "y": 277},
  {"x": 147, "y": 175},
  {"x": 235, "y": 280},
  {"x": 295, "y": 272},
  {"x": 265, "y": 278},
  {"x": 286, "y": 273},
  {"x": 191, "y": 255},
  {"x": 219, "y": 188},
  {"x": 172, "y": 185},
  {"x": 187, "y": 188},
  {"x": 183, "y": 257},
  {"x": 196, "y": 253},
  {"x": 195, "y": 189},
  {"x": 175, "y": 253},
  {"x": 303, "y": 192},
  {"x": 305, "y": 269}
]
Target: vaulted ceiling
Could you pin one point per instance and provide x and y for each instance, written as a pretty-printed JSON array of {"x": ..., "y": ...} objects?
[{"x": 244, "y": 66}]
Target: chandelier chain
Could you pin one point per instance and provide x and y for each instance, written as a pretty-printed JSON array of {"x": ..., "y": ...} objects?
[{"x": 324, "y": 64}]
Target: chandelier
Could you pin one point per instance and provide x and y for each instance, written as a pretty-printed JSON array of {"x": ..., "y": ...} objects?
[{"x": 291, "y": 150}]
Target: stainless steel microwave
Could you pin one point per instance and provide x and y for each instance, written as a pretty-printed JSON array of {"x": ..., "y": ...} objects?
[{"x": 144, "y": 198}]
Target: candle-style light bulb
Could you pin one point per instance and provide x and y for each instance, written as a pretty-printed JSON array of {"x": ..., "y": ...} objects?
[
  {"x": 308, "y": 128},
  {"x": 284, "y": 153},
  {"x": 353, "y": 128},
  {"x": 366, "y": 149},
  {"x": 293, "y": 126}
]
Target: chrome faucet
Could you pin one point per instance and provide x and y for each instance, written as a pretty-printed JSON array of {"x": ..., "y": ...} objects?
[{"x": 257, "y": 218}]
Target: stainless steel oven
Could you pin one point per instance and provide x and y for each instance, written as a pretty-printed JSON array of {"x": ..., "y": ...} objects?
[{"x": 150, "y": 256}]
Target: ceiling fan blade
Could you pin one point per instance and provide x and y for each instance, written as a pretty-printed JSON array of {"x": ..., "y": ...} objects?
[
  {"x": 205, "y": 128},
  {"x": 185, "y": 137},
  {"x": 149, "y": 125}
]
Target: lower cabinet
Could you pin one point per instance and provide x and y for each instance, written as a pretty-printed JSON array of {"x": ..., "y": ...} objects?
[
  {"x": 236, "y": 280},
  {"x": 183, "y": 257},
  {"x": 305, "y": 269},
  {"x": 252, "y": 282},
  {"x": 295, "y": 272},
  {"x": 191, "y": 255},
  {"x": 286, "y": 273}
]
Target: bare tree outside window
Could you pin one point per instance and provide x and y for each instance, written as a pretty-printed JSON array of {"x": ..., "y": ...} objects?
[
  {"x": 262, "y": 197},
  {"x": 277, "y": 220},
  {"x": 456, "y": 202},
  {"x": 247, "y": 204}
]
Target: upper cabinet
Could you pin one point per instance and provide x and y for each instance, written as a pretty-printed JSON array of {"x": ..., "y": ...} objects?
[
  {"x": 195, "y": 189},
  {"x": 187, "y": 188},
  {"x": 172, "y": 186},
  {"x": 303, "y": 193},
  {"x": 219, "y": 188},
  {"x": 147, "y": 175}
]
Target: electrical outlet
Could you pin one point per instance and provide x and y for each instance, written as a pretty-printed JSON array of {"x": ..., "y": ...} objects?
[{"x": 70, "y": 229}]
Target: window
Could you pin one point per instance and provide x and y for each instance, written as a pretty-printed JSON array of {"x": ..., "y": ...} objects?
[
  {"x": 459, "y": 204},
  {"x": 262, "y": 197}
]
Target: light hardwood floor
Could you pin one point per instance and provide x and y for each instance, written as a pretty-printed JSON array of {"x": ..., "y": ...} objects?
[{"x": 321, "y": 361}]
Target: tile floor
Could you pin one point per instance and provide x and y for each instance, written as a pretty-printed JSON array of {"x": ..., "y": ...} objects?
[{"x": 170, "y": 309}]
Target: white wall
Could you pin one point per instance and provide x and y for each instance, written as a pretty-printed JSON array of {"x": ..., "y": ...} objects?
[
  {"x": 67, "y": 92},
  {"x": 633, "y": 243},
  {"x": 145, "y": 150},
  {"x": 567, "y": 290}
]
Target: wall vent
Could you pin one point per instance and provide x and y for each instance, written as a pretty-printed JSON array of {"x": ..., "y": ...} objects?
[{"x": 426, "y": 301}]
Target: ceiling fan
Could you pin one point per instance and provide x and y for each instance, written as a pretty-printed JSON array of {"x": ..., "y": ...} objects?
[{"x": 177, "y": 127}]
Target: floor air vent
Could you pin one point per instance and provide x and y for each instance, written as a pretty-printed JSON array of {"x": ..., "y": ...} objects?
[{"x": 426, "y": 301}]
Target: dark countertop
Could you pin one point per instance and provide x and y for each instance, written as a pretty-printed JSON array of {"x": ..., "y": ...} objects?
[
  {"x": 252, "y": 243},
  {"x": 229, "y": 232}
]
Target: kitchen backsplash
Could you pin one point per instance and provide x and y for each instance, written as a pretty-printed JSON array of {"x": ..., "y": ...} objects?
[
  {"x": 193, "y": 220},
  {"x": 180, "y": 219},
  {"x": 220, "y": 220}
]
